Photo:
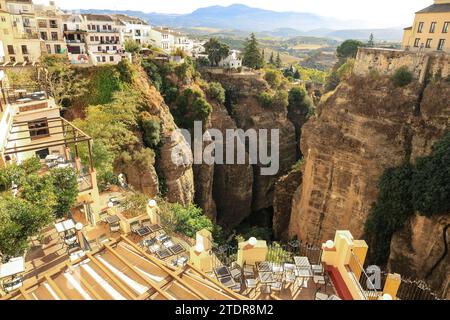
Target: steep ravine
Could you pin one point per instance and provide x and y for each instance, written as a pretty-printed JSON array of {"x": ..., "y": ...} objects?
[{"x": 366, "y": 126}]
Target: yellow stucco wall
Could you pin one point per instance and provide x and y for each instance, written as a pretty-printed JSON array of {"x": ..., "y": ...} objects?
[{"x": 440, "y": 18}]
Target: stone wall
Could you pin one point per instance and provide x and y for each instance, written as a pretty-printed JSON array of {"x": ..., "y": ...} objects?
[{"x": 385, "y": 62}]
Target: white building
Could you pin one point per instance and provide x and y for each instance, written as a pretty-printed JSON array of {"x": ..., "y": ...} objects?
[
  {"x": 233, "y": 61},
  {"x": 75, "y": 37},
  {"x": 103, "y": 39},
  {"x": 170, "y": 40},
  {"x": 132, "y": 28}
]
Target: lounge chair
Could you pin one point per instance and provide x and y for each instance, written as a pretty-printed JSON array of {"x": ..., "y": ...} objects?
[
  {"x": 114, "y": 228},
  {"x": 135, "y": 226}
]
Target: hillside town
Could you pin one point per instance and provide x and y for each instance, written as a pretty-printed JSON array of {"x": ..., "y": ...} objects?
[
  {"x": 93, "y": 205},
  {"x": 29, "y": 31}
]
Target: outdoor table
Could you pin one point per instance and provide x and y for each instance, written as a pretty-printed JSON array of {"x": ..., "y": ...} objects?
[
  {"x": 321, "y": 296},
  {"x": 222, "y": 272},
  {"x": 264, "y": 266},
  {"x": 227, "y": 282},
  {"x": 288, "y": 267},
  {"x": 302, "y": 262},
  {"x": 177, "y": 249},
  {"x": 65, "y": 226},
  {"x": 162, "y": 237},
  {"x": 163, "y": 254},
  {"x": 266, "y": 277},
  {"x": 148, "y": 242},
  {"x": 112, "y": 219},
  {"x": 304, "y": 274},
  {"x": 13, "y": 267},
  {"x": 144, "y": 231}
]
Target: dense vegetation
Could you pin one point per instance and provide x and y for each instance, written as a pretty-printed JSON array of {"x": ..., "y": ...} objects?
[
  {"x": 39, "y": 200},
  {"x": 423, "y": 188}
]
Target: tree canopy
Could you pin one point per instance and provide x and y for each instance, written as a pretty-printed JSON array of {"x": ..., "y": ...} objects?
[
  {"x": 348, "y": 49},
  {"x": 252, "y": 54},
  {"x": 216, "y": 51}
]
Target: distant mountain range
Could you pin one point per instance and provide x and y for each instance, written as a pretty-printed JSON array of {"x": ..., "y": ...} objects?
[{"x": 277, "y": 24}]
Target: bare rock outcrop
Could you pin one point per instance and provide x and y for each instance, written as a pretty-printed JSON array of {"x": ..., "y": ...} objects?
[
  {"x": 422, "y": 250},
  {"x": 285, "y": 190},
  {"x": 177, "y": 175}
]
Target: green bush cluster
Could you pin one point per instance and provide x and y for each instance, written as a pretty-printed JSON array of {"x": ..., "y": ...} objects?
[
  {"x": 278, "y": 99},
  {"x": 151, "y": 127},
  {"x": 190, "y": 107},
  {"x": 423, "y": 188},
  {"x": 402, "y": 77},
  {"x": 40, "y": 200},
  {"x": 216, "y": 91}
]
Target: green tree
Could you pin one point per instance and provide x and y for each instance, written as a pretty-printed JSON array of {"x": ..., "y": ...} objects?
[
  {"x": 61, "y": 79},
  {"x": 132, "y": 46},
  {"x": 371, "y": 42},
  {"x": 216, "y": 51},
  {"x": 66, "y": 190},
  {"x": 278, "y": 62},
  {"x": 273, "y": 78},
  {"x": 216, "y": 91},
  {"x": 272, "y": 59},
  {"x": 185, "y": 220},
  {"x": 152, "y": 129},
  {"x": 348, "y": 49},
  {"x": 252, "y": 55},
  {"x": 19, "y": 220},
  {"x": 201, "y": 109}
]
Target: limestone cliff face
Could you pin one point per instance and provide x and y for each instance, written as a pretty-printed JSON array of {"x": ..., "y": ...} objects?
[
  {"x": 360, "y": 130},
  {"x": 285, "y": 191},
  {"x": 252, "y": 190},
  {"x": 421, "y": 250},
  {"x": 178, "y": 175},
  {"x": 364, "y": 127}
]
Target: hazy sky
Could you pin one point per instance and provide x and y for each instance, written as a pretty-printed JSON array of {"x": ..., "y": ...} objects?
[{"x": 378, "y": 12}]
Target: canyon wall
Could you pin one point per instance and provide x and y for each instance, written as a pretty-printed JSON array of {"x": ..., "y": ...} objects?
[
  {"x": 364, "y": 127},
  {"x": 178, "y": 175}
]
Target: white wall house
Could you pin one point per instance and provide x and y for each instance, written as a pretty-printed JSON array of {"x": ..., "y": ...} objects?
[
  {"x": 135, "y": 29},
  {"x": 75, "y": 33},
  {"x": 169, "y": 40},
  {"x": 103, "y": 39},
  {"x": 233, "y": 61}
]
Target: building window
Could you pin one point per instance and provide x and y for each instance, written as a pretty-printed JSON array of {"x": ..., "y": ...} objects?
[
  {"x": 428, "y": 43},
  {"x": 24, "y": 50},
  {"x": 104, "y": 59},
  {"x": 49, "y": 49},
  {"x": 10, "y": 49},
  {"x": 54, "y": 36},
  {"x": 38, "y": 128},
  {"x": 92, "y": 39},
  {"x": 114, "y": 47},
  {"x": 445, "y": 28},
  {"x": 57, "y": 48},
  {"x": 44, "y": 35},
  {"x": 3, "y": 19},
  {"x": 111, "y": 58},
  {"x": 98, "y": 59},
  {"x": 53, "y": 24},
  {"x": 416, "y": 42},
  {"x": 42, "y": 154},
  {"x": 432, "y": 27},
  {"x": 441, "y": 44},
  {"x": 420, "y": 28},
  {"x": 99, "y": 49}
]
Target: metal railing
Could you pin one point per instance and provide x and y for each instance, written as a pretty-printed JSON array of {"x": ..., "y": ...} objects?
[
  {"x": 278, "y": 253},
  {"x": 17, "y": 94}
]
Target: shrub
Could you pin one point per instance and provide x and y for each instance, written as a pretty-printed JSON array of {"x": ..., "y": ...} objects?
[
  {"x": 402, "y": 77},
  {"x": 273, "y": 78},
  {"x": 345, "y": 71},
  {"x": 201, "y": 109},
  {"x": 216, "y": 91},
  {"x": 348, "y": 49},
  {"x": 281, "y": 99},
  {"x": 151, "y": 127},
  {"x": 265, "y": 100},
  {"x": 132, "y": 46},
  {"x": 185, "y": 220},
  {"x": 171, "y": 95},
  {"x": 126, "y": 71}
]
